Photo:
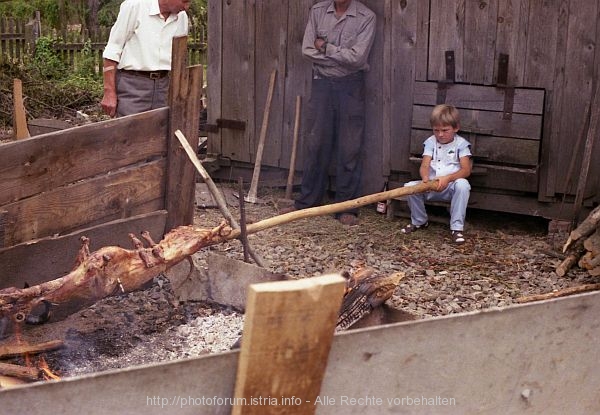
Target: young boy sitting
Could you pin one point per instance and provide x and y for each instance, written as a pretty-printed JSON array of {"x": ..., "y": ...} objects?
[{"x": 447, "y": 158}]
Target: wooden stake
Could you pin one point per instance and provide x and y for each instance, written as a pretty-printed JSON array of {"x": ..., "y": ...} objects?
[
  {"x": 560, "y": 293},
  {"x": 214, "y": 190},
  {"x": 20, "y": 118},
  {"x": 290, "y": 180},
  {"x": 287, "y": 336},
  {"x": 261, "y": 141}
]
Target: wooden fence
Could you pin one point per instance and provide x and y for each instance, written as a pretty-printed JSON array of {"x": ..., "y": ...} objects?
[{"x": 74, "y": 46}]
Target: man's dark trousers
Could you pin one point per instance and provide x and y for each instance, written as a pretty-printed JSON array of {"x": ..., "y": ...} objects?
[{"x": 335, "y": 127}]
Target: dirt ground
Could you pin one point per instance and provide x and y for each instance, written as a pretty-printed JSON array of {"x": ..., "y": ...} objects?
[{"x": 505, "y": 257}]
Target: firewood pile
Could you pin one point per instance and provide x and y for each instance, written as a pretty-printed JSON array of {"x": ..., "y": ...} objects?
[{"x": 583, "y": 246}]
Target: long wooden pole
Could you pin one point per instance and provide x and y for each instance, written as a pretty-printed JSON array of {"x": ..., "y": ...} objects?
[
  {"x": 290, "y": 180},
  {"x": 261, "y": 141}
]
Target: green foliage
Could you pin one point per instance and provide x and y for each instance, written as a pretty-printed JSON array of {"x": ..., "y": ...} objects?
[{"x": 46, "y": 62}]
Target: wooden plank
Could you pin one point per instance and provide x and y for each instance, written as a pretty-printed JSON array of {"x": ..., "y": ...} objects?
[
  {"x": 19, "y": 115},
  {"x": 269, "y": 54},
  {"x": 488, "y": 148},
  {"x": 479, "y": 41},
  {"x": 67, "y": 208},
  {"x": 403, "y": 61},
  {"x": 375, "y": 81},
  {"x": 513, "y": 18},
  {"x": 288, "y": 333},
  {"x": 553, "y": 128},
  {"x": 56, "y": 159},
  {"x": 543, "y": 26},
  {"x": 486, "y": 122},
  {"x": 44, "y": 259},
  {"x": 185, "y": 91},
  {"x": 421, "y": 39},
  {"x": 479, "y": 97},
  {"x": 446, "y": 33},
  {"x": 297, "y": 78},
  {"x": 577, "y": 90},
  {"x": 237, "y": 78},
  {"x": 213, "y": 72}
]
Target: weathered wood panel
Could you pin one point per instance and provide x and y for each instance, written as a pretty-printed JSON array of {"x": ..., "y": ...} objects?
[
  {"x": 213, "y": 73},
  {"x": 403, "y": 70},
  {"x": 480, "y": 41},
  {"x": 543, "y": 27},
  {"x": 486, "y": 122},
  {"x": 446, "y": 33},
  {"x": 297, "y": 79},
  {"x": 525, "y": 101},
  {"x": 45, "y": 259},
  {"x": 501, "y": 150},
  {"x": 511, "y": 38},
  {"x": 185, "y": 91},
  {"x": 270, "y": 54},
  {"x": 48, "y": 161},
  {"x": 237, "y": 77},
  {"x": 67, "y": 208}
]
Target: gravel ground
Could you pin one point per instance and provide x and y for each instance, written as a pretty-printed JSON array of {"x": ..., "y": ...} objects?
[{"x": 505, "y": 257}]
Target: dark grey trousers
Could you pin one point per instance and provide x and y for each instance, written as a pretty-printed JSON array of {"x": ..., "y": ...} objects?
[
  {"x": 334, "y": 132},
  {"x": 137, "y": 94}
]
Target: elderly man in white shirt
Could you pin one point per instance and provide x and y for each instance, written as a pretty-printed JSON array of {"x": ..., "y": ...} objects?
[{"x": 137, "y": 57}]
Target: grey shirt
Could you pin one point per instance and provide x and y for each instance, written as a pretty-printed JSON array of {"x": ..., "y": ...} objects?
[{"x": 349, "y": 39}]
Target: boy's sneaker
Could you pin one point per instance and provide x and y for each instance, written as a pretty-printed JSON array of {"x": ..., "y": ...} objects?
[
  {"x": 458, "y": 237},
  {"x": 410, "y": 228}
]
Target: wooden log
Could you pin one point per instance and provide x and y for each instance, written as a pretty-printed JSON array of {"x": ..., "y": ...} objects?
[
  {"x": 585, "y": 228},
  {"x": 21, "y": 372},
  {"x": 10, "y": 382},
  {"x": 572, "y": 258},
  {"x": 589, "y": 261},
  {"x": 10, "y": 350},
  {"x": 592, "y": 243},
  {"x": 288, "y": 333},
  {"x": 559, "y": 293}
]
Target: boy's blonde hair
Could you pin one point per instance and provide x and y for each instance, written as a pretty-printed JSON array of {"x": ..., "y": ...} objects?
[{"x": 445, "y": 115}]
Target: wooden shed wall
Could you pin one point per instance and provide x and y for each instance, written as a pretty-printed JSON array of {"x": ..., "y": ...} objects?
[{"x": 551, "y": 45}]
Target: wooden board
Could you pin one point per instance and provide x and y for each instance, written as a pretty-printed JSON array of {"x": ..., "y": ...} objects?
[
  {"x": 213, "y": 72},
  {"x": 480, "y": 97},
  {"x": 403, "y": 52},
  {"x": 446, "y": 33},
  {"x": 237, "y": 77},
  {"x": 501, "y": 150},
  {"x": 287, "y": 337},
  {"x": 44, "y": 259},
  {"x": 486, "y": 122},
  {"x": 543, "y": 26},
  {"x": 480, "y": 41},
  {"x": 297, "y": 80},
  {"x": 270, "y": 54},
  {"x": 185, "y": 90},
  {"x": 48, "y": 161},
  {"x": 71, "y": 207},
  {"x": 511, "y": 38}
]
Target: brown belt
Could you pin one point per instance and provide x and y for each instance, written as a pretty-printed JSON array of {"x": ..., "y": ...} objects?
[{"x": 148, "y": 74}]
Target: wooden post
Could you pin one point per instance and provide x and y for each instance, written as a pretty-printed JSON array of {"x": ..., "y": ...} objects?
[
  {"x": 185, "y": 92},
  {"x": 287, "y": 336},
  {"x": 290, "y": 180},
  {"x": 19, "y": 116}
]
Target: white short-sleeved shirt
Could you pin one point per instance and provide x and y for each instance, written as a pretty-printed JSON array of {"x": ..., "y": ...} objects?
[
  {"x": 141, "y": 39},
  {"x": 445, "y": 158}
]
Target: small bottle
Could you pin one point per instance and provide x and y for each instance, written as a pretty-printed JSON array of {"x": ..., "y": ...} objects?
[{"x": 382, "y": 206}]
